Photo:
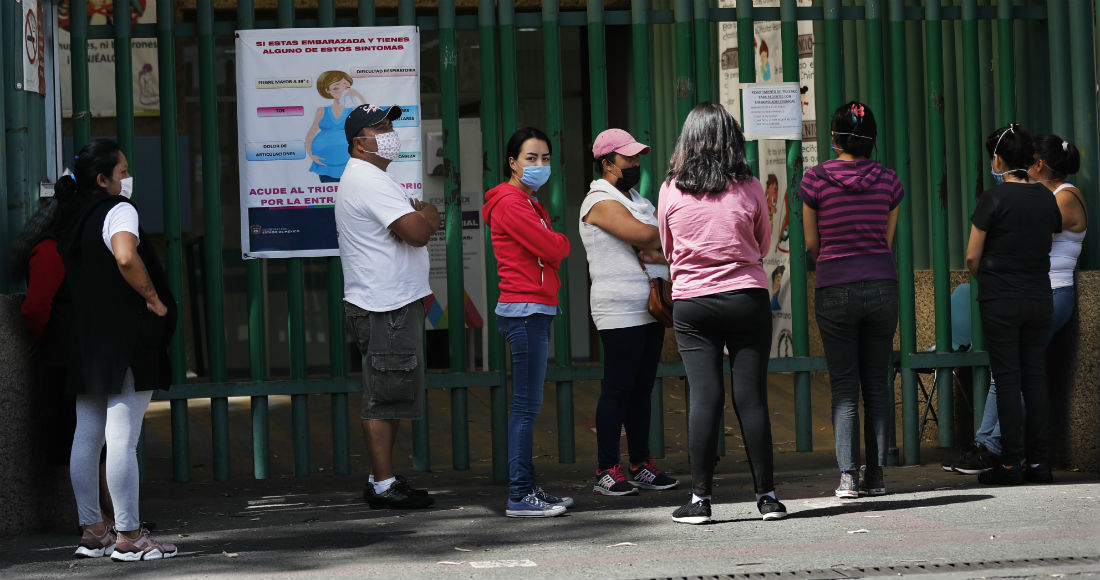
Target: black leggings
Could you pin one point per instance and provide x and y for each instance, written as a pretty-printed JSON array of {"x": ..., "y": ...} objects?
[
  {"x": 739, "y": 320},
  {"x": 630, "y": 358}
]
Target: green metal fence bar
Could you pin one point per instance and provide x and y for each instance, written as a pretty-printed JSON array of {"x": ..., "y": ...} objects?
[
  {"x": 1084, "y": 116},
  {"x": 1061, "y": 100},
  {"x": 257, "y": 324},
  {"x": 173, "y": 234},
  {"x": 551, "y": 55},
  {"x": 705, "y": 62},
  {"x": 937, "y": 172},
  {"x": 334, "y": 282},
  {"x": 746, "y": 72},
  {"x": 685, "y": 82},
  {"x": 954, "y": 203},
  {"x": 876, "y": 74},
  {"x": 452, "y": 199},
  {"x": 5, "y": 241},
  {"x": 800, "y": 322},
  {"x": 78, "y": 49},
  {"x": 509, "y": 93},
  {"x": 973, "y": 173},
  {"x": 490, "y": 176},
  {"x": 1005, "y": 62},
  {"x": 124, "y": 92},
  {"x": 643, "y": 93},
  {"x": 597, "y": 68},
  {"x": 15, "y": 112},
  {"x": 366, "y": 13},
  {"x": 212, "y": 225},
  {"x": 853, "y": 63},
  {"x": 904, "y": 237},
  {"x": 834, "y": 63}
]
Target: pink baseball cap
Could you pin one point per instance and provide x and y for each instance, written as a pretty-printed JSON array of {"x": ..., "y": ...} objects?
[{"x": 618, "y": 141}]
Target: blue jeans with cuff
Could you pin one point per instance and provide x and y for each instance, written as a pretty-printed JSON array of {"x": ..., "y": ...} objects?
[{"x": 529, "y": 340}]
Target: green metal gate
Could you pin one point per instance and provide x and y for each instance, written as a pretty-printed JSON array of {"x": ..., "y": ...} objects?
[{"x": 941, "y": 74}]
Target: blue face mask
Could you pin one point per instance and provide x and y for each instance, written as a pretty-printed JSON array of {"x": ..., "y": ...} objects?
[
  {"x": 535, "y": 176},
  {"x": 998, "y": 177}
]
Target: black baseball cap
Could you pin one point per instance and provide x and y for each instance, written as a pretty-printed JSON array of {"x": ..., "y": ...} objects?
[{"x": 368, "y": 116}]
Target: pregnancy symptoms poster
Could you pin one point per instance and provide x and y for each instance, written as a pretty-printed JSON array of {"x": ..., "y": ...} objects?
[{"x": 295, "y": 88}]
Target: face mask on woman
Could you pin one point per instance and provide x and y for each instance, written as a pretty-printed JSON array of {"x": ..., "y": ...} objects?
[
  {"x": 628, "y": 178},
  {"x": 127, "y": 187},
  {"x": 535, "y": 176}
]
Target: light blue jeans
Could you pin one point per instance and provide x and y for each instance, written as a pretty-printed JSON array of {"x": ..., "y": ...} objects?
[
  {"x": 989, "y": 433},
  {"x": 529, "y": 339}
]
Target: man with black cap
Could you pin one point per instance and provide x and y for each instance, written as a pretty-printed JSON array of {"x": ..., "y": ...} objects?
[{"x": 383, "y": 231}]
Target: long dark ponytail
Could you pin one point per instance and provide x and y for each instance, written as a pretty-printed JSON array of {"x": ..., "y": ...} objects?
[{"x": 94, "y": 159}]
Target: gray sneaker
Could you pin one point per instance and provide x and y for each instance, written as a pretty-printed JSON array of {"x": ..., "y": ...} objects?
[
  {"x": 871, "y": 480},
  {"x": 849, "y": 486}
]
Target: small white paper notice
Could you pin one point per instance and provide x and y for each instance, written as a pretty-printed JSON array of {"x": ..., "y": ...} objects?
[{"x": 772, "y": 111}]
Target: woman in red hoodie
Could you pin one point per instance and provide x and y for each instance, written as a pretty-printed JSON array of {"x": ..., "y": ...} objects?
[{"x": 529, "y": 253}]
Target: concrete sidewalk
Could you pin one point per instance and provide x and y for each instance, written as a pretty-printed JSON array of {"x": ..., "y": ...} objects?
[{"x": 938, "y": 524}]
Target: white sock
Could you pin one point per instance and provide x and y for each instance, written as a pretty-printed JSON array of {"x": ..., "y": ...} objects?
[
  {"x": 1034, "y": 465},
  {"x": 380, "y": 487},
  {"x": 697, "y": 499},
  {"x": 770, "y": 494},
  {"x": 370, "y": 479}
]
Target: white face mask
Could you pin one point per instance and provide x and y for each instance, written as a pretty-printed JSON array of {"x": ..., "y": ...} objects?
[
  {"x": 389, "y": 145},
  {"x": 127, "y": 187}
]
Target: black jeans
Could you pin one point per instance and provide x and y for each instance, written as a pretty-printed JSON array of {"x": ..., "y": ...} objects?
[
  {"x": 740, "y": 321},
  {"x": 630, "y": 357},
  {"x": 1016, "y": 338},
  {"x": 857, "y": 322}
]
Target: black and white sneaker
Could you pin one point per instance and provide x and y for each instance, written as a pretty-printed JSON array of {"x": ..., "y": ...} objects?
[
  {"x": 613, "y": 482},
  {"x": 771, "y": 508},
  {"x": 649, "y": 477},
  {"x": 693, "y": 513},
  {"x": 872, "y": 481},
  {"x": 977, "y": 460},
  {"x": 551, "y": 498},
  {"x": 849, "y": 485}
]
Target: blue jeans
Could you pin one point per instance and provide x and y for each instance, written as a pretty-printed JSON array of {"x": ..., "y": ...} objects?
[
  {"x": 989, "y": 433},
  {"x": 529, "y": 340},
  {"x": 857, "y": 321}
]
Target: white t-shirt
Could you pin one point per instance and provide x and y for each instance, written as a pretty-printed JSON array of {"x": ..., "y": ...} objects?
[
  {"x": 381, "y": 273},
  {"x": 121, "y": 218},
  {"x": 619, "y": 295}
]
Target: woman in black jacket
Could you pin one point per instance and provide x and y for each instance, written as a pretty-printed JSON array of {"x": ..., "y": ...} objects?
[{"x": 118, "y": 345}]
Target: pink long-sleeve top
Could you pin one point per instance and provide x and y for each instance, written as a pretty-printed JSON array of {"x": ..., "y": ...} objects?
[{"x": 714, "y": 242}]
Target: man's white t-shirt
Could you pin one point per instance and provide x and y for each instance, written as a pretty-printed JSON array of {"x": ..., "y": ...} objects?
[
  {"x": 121, "y": 218},
  {"x": 381, "y": 273}
]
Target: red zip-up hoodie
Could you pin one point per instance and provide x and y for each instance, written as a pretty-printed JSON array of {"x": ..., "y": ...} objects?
[{"x": 527, "y": 250}]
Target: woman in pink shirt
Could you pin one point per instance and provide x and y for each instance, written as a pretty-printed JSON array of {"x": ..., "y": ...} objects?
[{"x": 712, "y": 217}]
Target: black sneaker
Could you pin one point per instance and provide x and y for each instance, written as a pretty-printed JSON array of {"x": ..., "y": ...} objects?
[
  {"x": 649, "y": 477},
  {"x": 693, "y": 513},
  {"x": 771, "y": 508},
  {"x": 871, "y": 480},
  {"x": 613, "y": 482},
  {"x": 978, "y": 460},
  {"x": 949, "y": 465},
  {"x": 1002, "y": 475},
  {"x": 1038, "y": 474},
  {"x": 849, "y": 485},
  {"x": 399, "y": 496}
]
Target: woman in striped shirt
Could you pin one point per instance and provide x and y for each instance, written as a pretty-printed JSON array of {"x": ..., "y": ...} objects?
[{"x": 850, "y": 213}]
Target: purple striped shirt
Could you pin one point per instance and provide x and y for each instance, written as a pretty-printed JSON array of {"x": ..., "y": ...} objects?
[{"x": 853, "y": 200}]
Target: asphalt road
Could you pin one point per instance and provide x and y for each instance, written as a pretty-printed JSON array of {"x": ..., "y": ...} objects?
[{"x": 933, "y": 524}]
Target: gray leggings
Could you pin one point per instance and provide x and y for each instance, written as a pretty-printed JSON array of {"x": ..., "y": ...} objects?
[{"x": 115, "y": 420}]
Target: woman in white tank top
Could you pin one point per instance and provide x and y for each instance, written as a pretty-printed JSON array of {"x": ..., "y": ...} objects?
[{"x": 1054, "y": 160}]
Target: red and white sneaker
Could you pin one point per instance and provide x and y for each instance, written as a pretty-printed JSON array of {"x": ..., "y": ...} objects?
[
  {"x": 144, "y": 547},
  {"x": 649, "y": 477},
  {"x": 613, "y": 482}
]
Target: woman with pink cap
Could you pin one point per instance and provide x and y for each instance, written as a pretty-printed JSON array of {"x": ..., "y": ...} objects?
[{"x": 619, "y": 230}]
